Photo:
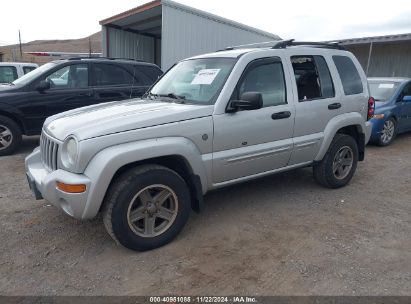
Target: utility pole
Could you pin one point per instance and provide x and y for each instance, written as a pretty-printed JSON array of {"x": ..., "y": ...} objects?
[
  {"x": 89, "y": 47},
  {"x": 21, "y": 51}
]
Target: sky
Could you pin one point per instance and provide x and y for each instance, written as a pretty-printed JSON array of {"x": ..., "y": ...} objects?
[{"x": 310, "y": 20}]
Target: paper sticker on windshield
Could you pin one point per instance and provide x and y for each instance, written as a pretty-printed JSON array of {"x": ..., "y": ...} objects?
[
  {"x": 386, "y": 86},
  {"x": 205, "y": 76}
]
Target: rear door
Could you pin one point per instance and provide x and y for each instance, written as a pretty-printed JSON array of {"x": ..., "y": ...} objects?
[
  {"x": 316, "y": 103},
  {"x": 115, "y": 81},
  {"x": 255, "y": 141}
]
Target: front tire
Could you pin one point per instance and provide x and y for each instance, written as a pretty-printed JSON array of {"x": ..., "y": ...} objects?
[
  {"x": 388, "y": 132},
  {"x": 146, "y": 207},
  {"x": 10, "y": 136},
  {"x": 339, "y": 163}
]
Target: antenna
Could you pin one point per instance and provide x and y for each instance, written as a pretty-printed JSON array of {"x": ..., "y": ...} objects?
[{"x": 21, "y": 50}]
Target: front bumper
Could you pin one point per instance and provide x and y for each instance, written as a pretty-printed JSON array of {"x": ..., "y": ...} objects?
[
  {"x": 43, "y": 184},
  {"x": 377, "y": 126}
]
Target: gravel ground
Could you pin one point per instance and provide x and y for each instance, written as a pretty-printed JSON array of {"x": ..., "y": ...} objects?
[{"x": 281, "y": 235}]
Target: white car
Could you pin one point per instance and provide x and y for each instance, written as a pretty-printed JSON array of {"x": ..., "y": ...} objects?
[{"x": 10, "y": 71}]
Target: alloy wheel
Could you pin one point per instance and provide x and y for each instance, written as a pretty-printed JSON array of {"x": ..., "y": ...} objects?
[
  {"x": 343, "y": 162},
  {"x": 152, "y": 210},
  {"x": 6, "y": 137}
]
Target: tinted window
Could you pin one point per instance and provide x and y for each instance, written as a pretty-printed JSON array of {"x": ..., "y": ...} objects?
[
  {"x": 326, "y": 83},
  {"x": 110, "y": 74},
  {"x": 27, "y": 69},
  {"x": 7, "y": 74},
  {"x": 312, "y": 77},
  {"x": 350, "y": 78},
  {"x": 267, "y": 79},
  {"x": 149, "y": 74},
  {"x": 71, "y": 76},
  {"x": 407, "y": 90}
]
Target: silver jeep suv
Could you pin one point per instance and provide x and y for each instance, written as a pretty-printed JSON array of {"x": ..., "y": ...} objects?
[{"x": 211, "y": 121}]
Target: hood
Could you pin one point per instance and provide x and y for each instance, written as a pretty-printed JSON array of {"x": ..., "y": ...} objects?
[{"x": 120, "y": 116}]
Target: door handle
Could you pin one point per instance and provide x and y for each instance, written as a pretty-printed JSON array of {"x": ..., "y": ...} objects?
[
  {"x": 334, "y": 106},
  {"x": 281, "y": 115},
  {"x": 85, "y": 94}
]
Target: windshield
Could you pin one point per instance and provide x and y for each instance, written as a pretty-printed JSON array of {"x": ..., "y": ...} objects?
[
  {"x": 25, "y": 79},
  {"x": 383, "y": 90},
  {"x": 195, "y": 81}
]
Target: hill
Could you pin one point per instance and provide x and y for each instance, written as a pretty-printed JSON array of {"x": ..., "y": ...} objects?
[{"x": 12, "y": 52}]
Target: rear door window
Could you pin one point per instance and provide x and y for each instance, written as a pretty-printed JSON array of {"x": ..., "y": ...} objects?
[
  {"x": 351, "y": 80},
  {"x": 112, "y": 75},
  {"x": 313, "y": 78},
  {"x": 8, "y": 74},
  {"x": 148, "y": 74}
]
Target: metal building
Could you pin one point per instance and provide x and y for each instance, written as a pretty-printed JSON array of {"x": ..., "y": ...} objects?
[
  {"x": 164, "y": 32},
  {"x": 382, "y": 56}
]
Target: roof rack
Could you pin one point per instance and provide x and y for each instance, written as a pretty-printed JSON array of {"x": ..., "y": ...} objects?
[
  {"x": 99, "y": 57},
  {"x": 266, "y": 44},
  {"x": 282, "y": 44}
]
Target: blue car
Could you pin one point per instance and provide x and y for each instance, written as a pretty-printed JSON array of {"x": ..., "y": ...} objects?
[{"x": 392, "y": 114}]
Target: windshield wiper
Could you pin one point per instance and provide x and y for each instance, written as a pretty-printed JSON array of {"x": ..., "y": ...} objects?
[
  {"x": 173, "y": 96},
  {"x": 177, "y": 98},
  {"x": 150, "y": 96}
]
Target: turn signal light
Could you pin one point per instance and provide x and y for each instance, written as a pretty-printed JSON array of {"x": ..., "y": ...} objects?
[{"x": 71, "y": 188}]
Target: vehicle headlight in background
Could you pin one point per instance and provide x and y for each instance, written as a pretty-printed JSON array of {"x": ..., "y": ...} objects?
[{"x": 70, "y": 152}]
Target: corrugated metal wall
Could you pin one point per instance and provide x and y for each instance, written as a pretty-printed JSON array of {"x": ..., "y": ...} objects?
[
  {"x": 122, "y": 44},
  {"x": 387, "y": 59},
  {"x": 186, "y": 34}
]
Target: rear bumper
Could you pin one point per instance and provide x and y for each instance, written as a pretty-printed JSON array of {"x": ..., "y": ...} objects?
[{"x": 43, "y": 184}]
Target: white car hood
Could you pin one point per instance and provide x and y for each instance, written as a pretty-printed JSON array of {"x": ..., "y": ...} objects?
[{"x": 114, "y": 117}]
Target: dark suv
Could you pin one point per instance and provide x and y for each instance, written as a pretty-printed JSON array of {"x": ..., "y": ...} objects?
[{"x": 66, "y": 84}]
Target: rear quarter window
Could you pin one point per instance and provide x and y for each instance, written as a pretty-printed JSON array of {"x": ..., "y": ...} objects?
[{"x": 350, "y": 78}]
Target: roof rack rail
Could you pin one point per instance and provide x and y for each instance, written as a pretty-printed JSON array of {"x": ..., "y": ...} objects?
[
  {"x": 100, "y": 57},
  {"x": 282, "y": 44},
  {"x": 266, "y": 44}
]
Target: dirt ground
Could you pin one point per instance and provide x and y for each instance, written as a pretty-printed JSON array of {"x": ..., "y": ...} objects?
[{"x": 281, "y": 235}]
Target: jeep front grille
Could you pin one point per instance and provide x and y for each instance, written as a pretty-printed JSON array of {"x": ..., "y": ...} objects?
[{"x": 49, "y": 150}]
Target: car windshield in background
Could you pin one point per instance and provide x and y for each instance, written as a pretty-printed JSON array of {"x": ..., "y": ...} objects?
[
  {"x": 383, "y": 90},
  {"x": 196, "y": 81},
  {"x": 25, "y": 79}
]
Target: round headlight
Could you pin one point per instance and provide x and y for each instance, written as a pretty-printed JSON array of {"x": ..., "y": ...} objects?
[{"x": 70, "y": 156}]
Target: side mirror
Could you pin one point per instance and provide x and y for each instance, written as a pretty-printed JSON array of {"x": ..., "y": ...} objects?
[
  {"x": 43, "y": 86},
  {"x": 406, "y": 98},
  {"x": 248, "y": 101}
]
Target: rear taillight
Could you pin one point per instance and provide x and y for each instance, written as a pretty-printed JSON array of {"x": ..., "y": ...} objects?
[{"x": 371, "y": 108}]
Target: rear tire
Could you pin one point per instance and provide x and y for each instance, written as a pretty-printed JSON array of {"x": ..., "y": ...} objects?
[
  {"x": 339, "y": 163},
  {"x": 10, "y": 136},
  {"x": 146, "y": 207},
  {"x": 388, "y": 132}
]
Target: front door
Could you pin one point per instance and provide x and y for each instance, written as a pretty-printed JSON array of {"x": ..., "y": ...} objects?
[
  {"x": 254, "y": 141},
  {"x": 69, "y": 89},
  {"x": 405, "y": 110}
]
